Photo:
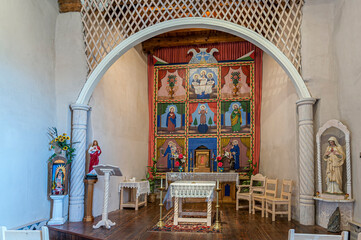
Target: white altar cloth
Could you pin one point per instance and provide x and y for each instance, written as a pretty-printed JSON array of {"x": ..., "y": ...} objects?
[
  {"x": 192, "y": 176},
  {"x": 191, "y": 189},
  {"x": 141, "y": 186}
]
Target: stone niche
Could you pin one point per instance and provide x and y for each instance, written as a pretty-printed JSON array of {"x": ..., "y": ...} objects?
[{"x": 334, "y": 188}]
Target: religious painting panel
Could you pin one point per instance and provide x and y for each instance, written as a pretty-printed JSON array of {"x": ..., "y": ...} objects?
[
  {"x": 235, "y": 117},
  {"x": 238, "y": 152},
  {"x": 170, "y": 118},
  {"x": 203, "y": 83},
  {"x": 171, "y": 84},
  {"x": 167, "y": 149},
  {"x": 235, "y": 81},
  {"x": 57, "y": 176},
  {"x": 202, "y": 118},
  {"x": 202, "y": 152}
]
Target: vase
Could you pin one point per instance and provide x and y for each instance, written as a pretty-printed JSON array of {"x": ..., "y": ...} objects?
[
  {"x": 171, "y": 93},
  {"x": 235, "y": 90}
]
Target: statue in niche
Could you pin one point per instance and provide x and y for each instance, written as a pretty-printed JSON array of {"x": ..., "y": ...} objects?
[
  {"x": 171, "y": 120},
  {"x": 335, "y": 158},
  {"x": 236, "y": 118}
]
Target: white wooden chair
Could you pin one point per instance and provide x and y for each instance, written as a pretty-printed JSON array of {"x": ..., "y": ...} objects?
[
  {"x": 284, "y": 200},
  {"x": 303, "y": 236},
  {"x": 270, "y": 191},
  {"x": 42, "y": 234},
  {"x": 253, "y": 190}
]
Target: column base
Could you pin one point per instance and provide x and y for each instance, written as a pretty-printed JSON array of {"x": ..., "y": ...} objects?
[
  {"x": 76, "y": 209},
  {"x": 307, "y": 214}
]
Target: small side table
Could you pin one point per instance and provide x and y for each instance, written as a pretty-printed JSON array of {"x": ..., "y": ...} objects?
[
  {"x": 89, "y": 187},
  {"x": 136, "y": 190}
]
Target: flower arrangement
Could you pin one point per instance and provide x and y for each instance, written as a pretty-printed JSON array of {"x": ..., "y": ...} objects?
[
  {"x": 179, "y": 162},
  {"x": 60, "y": 143},
  {"x": 172, "y": 80},
  {"x": 235, "y": 77},
  {"x": 151, "y": 174}
]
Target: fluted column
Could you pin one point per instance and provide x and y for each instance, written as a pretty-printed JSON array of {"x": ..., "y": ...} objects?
[
  {"x": 79, "y": 127},
  {"x": 306, "y": 160}
]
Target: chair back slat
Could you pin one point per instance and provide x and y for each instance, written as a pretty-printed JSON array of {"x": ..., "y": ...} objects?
[
  {"x": 258, "y": 183},
  {"x": 286, "y": 190},
  {"x": 271, "y": 187}
]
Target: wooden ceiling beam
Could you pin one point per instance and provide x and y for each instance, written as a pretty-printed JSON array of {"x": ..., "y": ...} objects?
[
  {"x": 188, "y": 37},
  {"x": 69, "y": 6}
]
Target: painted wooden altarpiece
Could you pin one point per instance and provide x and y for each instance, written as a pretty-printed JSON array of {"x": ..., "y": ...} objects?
[{"x": 202, "y": 109}]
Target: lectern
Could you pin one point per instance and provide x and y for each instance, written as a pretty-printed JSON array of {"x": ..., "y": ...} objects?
[{"x": 106, "y": 171}]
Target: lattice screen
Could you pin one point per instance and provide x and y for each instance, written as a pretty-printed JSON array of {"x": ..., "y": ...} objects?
[{"x": 108, "y": 22}]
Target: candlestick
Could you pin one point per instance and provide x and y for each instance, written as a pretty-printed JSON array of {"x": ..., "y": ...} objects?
[{"x": 161, "y": 182}]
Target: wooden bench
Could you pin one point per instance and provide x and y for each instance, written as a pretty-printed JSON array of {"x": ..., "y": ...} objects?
[
  {"x": 42, "y": 234},
  {"x": 303, "y": 236}
]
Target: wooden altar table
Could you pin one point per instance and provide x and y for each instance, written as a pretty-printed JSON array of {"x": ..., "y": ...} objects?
[
  {"x": 142, "y": 188},
  {"x": 191, "y": 189}
]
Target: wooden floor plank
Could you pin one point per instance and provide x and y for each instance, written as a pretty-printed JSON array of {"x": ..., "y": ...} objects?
[{"x": 131, "y": 224}]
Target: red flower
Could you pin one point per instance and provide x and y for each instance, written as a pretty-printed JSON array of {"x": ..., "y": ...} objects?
[
  {"x": 180, "y": 156},
  {"x": 176, "y": 164},
  {"x": 219, "y": 158},
  {"x": 220, "y": 164}
]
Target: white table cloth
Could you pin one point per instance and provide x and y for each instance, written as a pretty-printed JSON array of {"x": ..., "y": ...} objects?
[
  {"x": 192, "y": 176},
  {"x": 141, "y": 186},
  {"x": 191, "y": 189}
]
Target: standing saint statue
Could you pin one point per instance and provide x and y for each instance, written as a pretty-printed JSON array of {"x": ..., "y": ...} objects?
[
  {"x": 236, "y": 119},
  {"x": 171, "y": 120},
  {"x": 94, "y": 152},
  {"x": 335, "y": 158}
]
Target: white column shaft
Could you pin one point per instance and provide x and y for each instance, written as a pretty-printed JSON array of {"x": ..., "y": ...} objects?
[
  {"x": 79, "y": 129},
  {"x": 306, "y": 161}
]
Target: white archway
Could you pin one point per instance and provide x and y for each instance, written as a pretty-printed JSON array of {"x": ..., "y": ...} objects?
[
  {"x": 305, "y": 108},
  {"x": 192, "y": 22}
]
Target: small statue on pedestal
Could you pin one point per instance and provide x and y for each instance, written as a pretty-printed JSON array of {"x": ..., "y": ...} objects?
[
  {"x": 335, "y": 158},
  {"x": 94, "y": 152}
]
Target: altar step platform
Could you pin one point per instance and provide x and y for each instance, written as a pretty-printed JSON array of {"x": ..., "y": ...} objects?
[{"x": 132, "y": 224}]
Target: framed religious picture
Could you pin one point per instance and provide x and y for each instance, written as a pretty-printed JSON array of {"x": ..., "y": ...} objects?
[
  {"x": 238, "y": 150},
  {"x": 203, "y": 118},
  {"x": 170, "y": 118},
  {"x": 171, "y": 84},
  {"x": 203, "y": 83},
  {"x": 235, "y": 117},
  {"x": 167, "y": 149},
  {"x": 58, "y": 170},
  {"x": 235, "y": 81}
]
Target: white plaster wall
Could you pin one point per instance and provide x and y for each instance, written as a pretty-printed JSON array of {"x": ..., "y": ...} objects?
[
  {"x": 318, "y": 63},
  {"x": 71, "y": 66},
  {"x": 279, "y": 154},
  {"x": 347, "y": 35},
  {"x": 27, "y": 107},
  {"x": 119, "y": 121}
]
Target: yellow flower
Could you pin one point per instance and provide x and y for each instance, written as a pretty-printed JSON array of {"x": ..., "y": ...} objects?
[
  {"x": 65, "y": 148},
  {"x": 67, "y": 138},
  {"x": 64, "y": 134},
  {"x": 52, "y": 141},
  {"x": 56, "y": 139},
  {"x": 61, "y": 139}
]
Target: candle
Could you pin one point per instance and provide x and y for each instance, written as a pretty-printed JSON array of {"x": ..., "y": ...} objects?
[
  {"x": 161, "y": 183},
  {"x": 217, "y": 183}
]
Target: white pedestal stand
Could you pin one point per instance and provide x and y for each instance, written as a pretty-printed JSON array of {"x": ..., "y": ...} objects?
[
  {"x": 107, "y": 171},
  {"x": 58, "y": 203}
]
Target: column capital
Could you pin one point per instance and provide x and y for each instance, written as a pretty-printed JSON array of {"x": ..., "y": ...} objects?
[
  {"x": 306, "y": 101},
  {"x": 77, "y": 106}
]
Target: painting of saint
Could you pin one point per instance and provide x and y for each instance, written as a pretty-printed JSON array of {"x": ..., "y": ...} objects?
[
  {"x": 167, "y": 150},
  {"x": 58, "y": 184},
  {"x": 203, "y": 118},
  {"x": 235, "y": 117},
  {"x": 171, "y": 84},
  {"x": 203, "y": 83},
  {"x": 235, "y": 81},
  {"x": 170, "y": 118},
  {"x": 238, "y": 149}
]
